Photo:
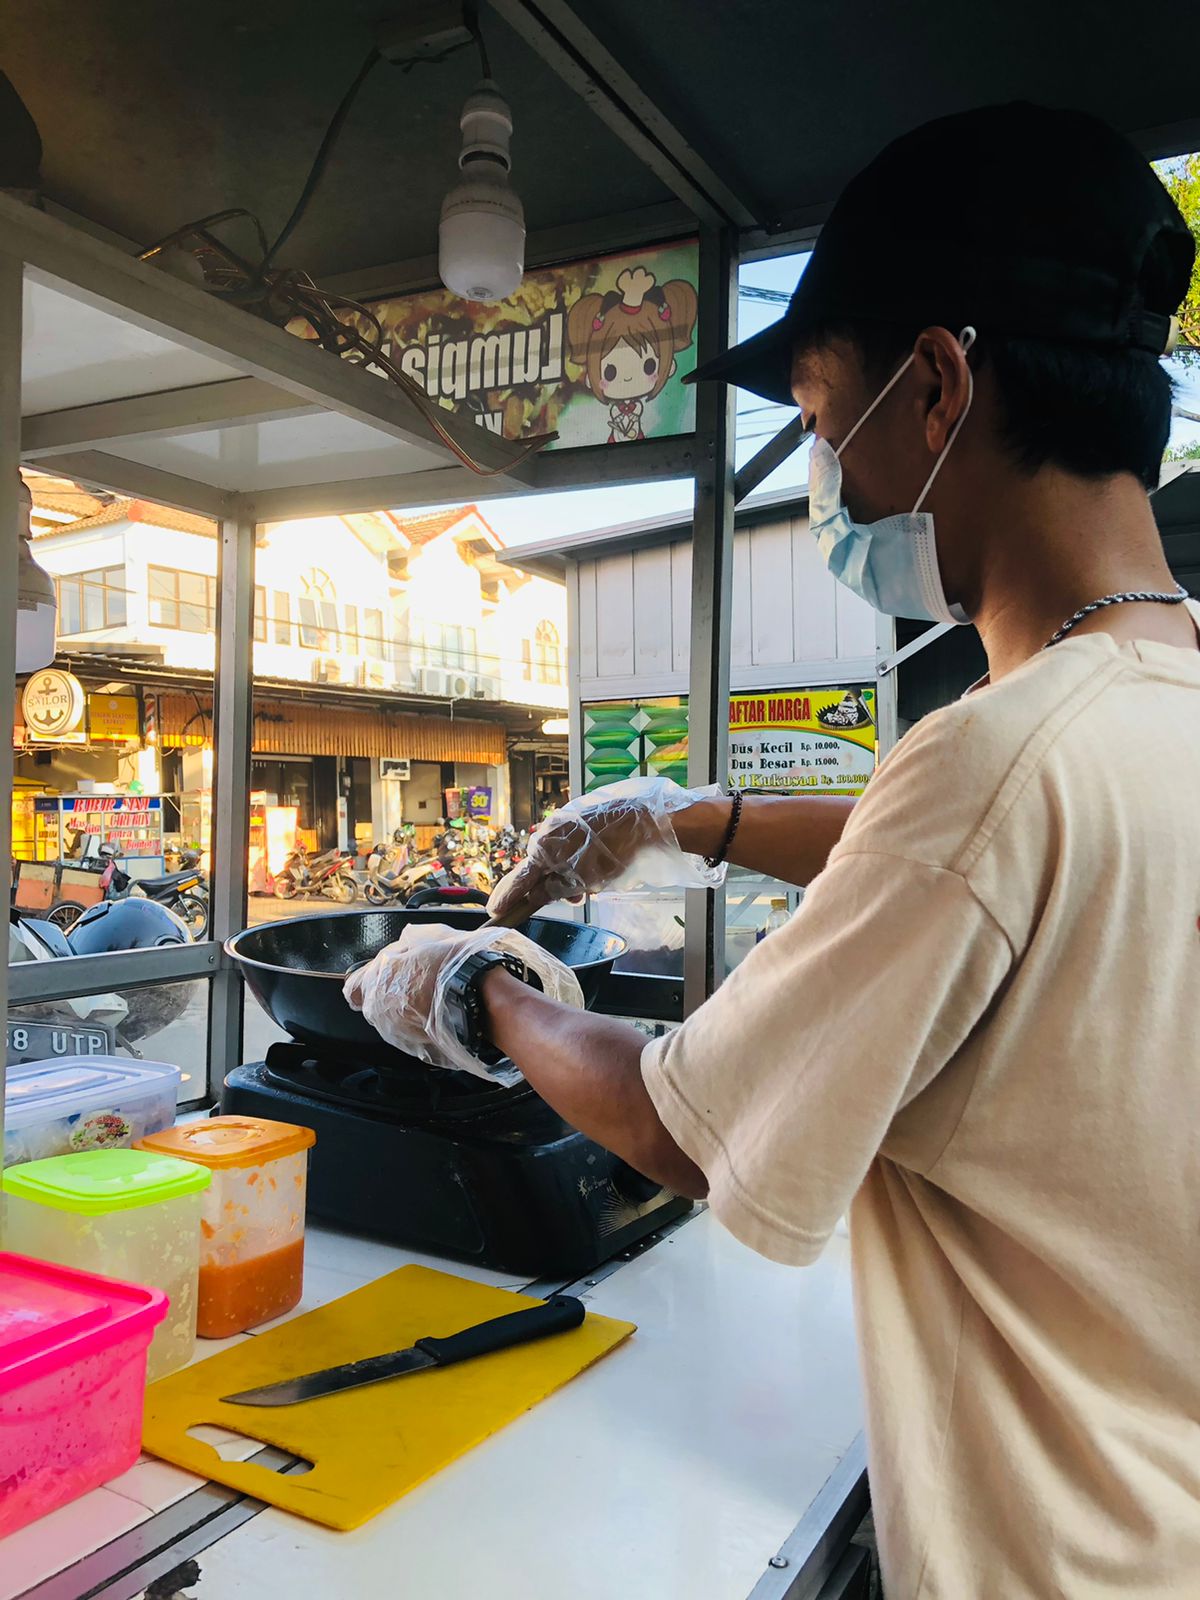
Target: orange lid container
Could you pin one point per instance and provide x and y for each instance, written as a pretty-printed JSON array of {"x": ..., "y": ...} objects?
[{"x": 230, "y": 1141}]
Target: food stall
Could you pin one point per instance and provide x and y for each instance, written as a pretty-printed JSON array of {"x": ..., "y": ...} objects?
[{"x": 717, "y": 1453}]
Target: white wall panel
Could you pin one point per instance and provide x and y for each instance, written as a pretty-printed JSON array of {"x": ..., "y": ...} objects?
[
  {"x": 770, "y": 592},
  {"x": 587, "y": 621},
  {"x": 681, "y": 605},
  {"x": 855, "y": 623},
  {"x": 652, "y": 610},
  {"x": 792, "y": 623},
  {"x": 740, "y": 627},
  {"x": 814, "y": 622}
]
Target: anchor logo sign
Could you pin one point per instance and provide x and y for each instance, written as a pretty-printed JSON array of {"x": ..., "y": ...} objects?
[{"x": 53, "y": 704}]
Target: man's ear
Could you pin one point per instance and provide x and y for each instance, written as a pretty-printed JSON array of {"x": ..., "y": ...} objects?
[{"x": 943, "y": 364}]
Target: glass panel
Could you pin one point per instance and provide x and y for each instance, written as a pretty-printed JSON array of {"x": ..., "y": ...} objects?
[
  {"x": 93, "y": 607},
  {"x": 754, "y": 906},
  {"x": 70, "y": 609},
  {"x": 310, "y": 636},
  {"x": 116, "y": 610},
  {"x": 164, "y": 1022},
  {"x": 120, "y": 795},
  {"x": 283, "y": 624},
  {"x": 260, "y": 614},
  {"x": 350, "y": 637}
]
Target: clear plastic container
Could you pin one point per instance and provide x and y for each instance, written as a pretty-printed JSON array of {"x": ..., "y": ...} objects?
[
  {"x": 72, "y": 1378},
  {"x": 84, "y": 1103},
  {"x": 124, "y": 1213},
  {"x": 252, "y": 1221}
]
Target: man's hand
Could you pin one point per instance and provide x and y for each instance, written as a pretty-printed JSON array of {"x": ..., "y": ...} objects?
[
  {"x": 402, "y": 993},
  {"x": 620, "y": 836}
]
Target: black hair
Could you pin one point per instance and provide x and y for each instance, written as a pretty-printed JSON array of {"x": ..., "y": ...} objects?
[{"x": 1087, "y": 410}]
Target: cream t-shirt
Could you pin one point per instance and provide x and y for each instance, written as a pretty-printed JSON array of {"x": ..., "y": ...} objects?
[{"x": 984, "y": 1026}]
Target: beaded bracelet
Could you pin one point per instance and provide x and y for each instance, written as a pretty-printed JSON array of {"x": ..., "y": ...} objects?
[{"x": 735, "y": 816}]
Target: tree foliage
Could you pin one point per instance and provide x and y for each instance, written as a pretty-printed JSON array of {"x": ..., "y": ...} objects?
[{"x": 1182, "y": 178}]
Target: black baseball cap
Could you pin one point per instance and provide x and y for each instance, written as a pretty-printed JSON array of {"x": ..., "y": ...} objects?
[{"x": 1016, "y": 219}]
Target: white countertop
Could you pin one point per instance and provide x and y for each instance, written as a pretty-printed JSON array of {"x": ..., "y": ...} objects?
[{"x": 672, "y": 1470}]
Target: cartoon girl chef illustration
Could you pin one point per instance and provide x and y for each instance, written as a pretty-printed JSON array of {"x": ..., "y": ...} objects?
[{"x": 626, "y": 340}]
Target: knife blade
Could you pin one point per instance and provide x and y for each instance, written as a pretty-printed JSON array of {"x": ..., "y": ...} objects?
[{"x": 557, "y": 1315}]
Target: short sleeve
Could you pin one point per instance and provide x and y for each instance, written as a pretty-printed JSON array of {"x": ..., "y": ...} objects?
[{"x": 782, "y": 1087}]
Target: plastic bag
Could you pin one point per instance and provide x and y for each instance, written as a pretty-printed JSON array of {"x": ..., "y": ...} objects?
[
  {"x": 402, "y": 992},
  {"x": 618, "y": 837}
]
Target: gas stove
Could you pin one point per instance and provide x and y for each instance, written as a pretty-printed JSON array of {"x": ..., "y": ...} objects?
[{"x": 450, "y": 1164}]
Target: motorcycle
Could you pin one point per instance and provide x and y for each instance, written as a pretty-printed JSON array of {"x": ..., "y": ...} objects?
[
  {"x": 386, "y": 868},
  {"x": 328, "y": 874},
  {"x": 128, "y": 924},
  {"x": 184, "y": 892},
  {"x": 507, "y": 850}
]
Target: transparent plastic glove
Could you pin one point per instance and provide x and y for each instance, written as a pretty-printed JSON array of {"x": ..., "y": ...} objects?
[
  {"x": 402, "y": 992},
  {"x": 618, "y": 837}
]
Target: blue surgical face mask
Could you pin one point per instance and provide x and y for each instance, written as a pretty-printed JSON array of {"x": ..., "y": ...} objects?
[{"x": 892, "y": 563}]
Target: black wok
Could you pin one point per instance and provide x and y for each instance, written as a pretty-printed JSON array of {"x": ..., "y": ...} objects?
[{"x": 295, "y": 968}]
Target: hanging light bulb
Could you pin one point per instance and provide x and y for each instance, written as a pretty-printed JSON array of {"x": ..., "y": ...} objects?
[
  {"x": 37, "y": 607},
  {"x": 481, "y": 238}
]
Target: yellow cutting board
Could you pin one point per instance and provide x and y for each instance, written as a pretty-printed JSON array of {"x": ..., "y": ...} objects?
[{"x": 368, "y": 1446}]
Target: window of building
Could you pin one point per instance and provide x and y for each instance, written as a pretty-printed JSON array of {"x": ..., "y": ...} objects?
[
  {"x": 373, "y": 642},
  {"x": 91, "y": 600},
  {"x": 318, "y": 611},
  {"x": 351, "y": 637},
  {"x": 547, "y": 651},
  {"x": 449, "y": 645},
  {"x": 183, "y": 600},
  {"x": 283, "y": 617},
  {"x": 260, "y": 615},
  {"x": 527, "y": 659}
]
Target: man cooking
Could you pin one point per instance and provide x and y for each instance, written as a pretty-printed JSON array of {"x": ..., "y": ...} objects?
[{"x": 981, "y": 1028}]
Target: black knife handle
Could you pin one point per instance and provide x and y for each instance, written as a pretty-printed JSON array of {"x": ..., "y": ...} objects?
[{"x": 559, "y": 1314}]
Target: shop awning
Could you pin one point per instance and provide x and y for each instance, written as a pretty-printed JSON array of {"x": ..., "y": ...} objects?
[{"x": 283, "y": 727}]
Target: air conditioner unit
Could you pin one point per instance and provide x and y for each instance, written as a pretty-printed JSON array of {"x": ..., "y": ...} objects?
[
  {"x": 431, "y": 680},
  {"x": 327, "y": 669},
  {"x": 459, "y": 686},
  {"x": 486, "y": 689},
  {"x": 373, "y": 674}
]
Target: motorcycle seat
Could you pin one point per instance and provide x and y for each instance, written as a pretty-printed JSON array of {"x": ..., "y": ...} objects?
[{"x": 170, "y": 881}]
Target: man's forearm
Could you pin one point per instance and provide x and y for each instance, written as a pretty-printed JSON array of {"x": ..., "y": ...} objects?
[
  {"x": 786, "y": 836},
  {"x": 588, "y": 1069}
]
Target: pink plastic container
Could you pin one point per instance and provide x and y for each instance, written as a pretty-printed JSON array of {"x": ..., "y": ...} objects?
[{"x": 72, "y": 1381}]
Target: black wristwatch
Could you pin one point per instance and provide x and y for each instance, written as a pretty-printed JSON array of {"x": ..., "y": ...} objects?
[{"x": 464, "y": 1003}]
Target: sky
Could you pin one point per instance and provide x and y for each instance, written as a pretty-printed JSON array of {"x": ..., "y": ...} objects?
[{"x": 526, "y": 518}]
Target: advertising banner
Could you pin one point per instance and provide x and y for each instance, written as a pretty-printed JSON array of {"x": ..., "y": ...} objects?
[
  {"x": 594, "y": 350},
  {"x": 818, "y": 740},
  {"x": 794, "y": 740},
  {"x": 113, "y": 718}
]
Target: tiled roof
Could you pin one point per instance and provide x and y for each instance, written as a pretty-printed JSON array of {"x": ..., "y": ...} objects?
[
  {"x": 432, "y": 524},
  {"x": 131, "y": 511}
]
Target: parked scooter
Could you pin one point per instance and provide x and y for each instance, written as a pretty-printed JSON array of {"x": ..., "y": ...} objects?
[
  {"x": 329, "y": 874},
  {"x": 386, "y": 868},
  {"x": 129, "y": 924},
  {"x": 185, "y": 892}
]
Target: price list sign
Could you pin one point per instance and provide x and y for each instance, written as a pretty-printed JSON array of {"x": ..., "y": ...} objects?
[{"x": 819, "y": 741}]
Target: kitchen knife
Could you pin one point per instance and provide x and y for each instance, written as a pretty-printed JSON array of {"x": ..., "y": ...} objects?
[{"x": 558, "y": 1315}]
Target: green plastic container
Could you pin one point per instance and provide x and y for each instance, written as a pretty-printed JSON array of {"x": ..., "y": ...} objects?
[{"x": 128, "y": 1214}]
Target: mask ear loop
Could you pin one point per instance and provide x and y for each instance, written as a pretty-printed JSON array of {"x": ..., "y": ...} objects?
[
  {"x": 882, "y": 395},
  {"x": 966, "y": 338}
]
